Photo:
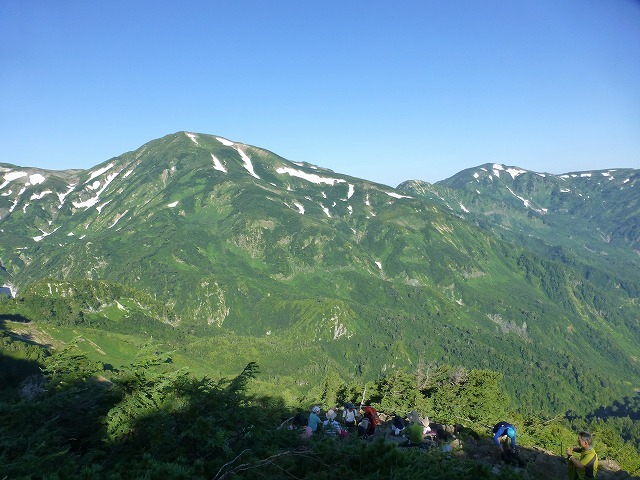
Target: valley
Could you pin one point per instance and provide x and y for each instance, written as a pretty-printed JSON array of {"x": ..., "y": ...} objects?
[{"x": 219, "y": 254}]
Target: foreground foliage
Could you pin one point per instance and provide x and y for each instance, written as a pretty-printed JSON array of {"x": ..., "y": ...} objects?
[{"x": 151, "y": 420}]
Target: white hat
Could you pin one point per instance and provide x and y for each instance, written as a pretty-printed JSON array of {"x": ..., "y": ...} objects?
[
  {"x": 315, "y": 409},
  {"x": 331, "y": 414}
]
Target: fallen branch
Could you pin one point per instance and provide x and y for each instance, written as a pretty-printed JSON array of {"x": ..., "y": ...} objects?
[
  {"x": 247, "y": 466},
  {"x": 285, "y": 422}
]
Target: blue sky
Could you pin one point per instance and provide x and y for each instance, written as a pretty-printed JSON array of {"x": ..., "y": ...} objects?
[{"x": 387, "y": 91}]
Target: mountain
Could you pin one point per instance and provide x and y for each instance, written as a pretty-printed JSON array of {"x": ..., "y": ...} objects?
[
  {"x": 227, "y": 253},
  {"x": 587, "y": 218}
]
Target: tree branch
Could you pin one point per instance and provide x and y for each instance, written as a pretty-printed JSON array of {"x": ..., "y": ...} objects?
[{"x": 247, "y": 466}]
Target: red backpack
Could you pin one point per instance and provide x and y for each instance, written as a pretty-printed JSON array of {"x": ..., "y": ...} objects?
[{"x": 373, "y": 415}]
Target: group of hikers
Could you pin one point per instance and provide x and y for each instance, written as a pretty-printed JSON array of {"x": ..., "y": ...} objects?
[
  {"x": 417, "y": 430},
  {"x": 353, "y": 422},
  {"x": 420, "y": 432}
]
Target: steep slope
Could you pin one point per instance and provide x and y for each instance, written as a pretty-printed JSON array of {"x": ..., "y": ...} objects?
[{"x": 304, "y": 269}]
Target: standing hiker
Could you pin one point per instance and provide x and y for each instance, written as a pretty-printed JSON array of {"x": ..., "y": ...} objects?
[
  {"x": 504, "y": 429},
  {"x": 583, "y": 460}
]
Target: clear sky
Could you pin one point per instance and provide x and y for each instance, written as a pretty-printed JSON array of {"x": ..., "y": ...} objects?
[{"x": 383, "y": 90}]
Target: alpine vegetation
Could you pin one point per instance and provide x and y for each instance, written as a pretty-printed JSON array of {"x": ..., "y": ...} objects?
[{"x": 226, "y": 256}]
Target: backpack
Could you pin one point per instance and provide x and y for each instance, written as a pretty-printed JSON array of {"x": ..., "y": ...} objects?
[{"x": 373, "y": 415}]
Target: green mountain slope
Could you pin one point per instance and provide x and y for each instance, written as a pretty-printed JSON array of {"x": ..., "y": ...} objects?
[
  {"x": 228, "y": 253},
  {"x": 595, "y": 215}
]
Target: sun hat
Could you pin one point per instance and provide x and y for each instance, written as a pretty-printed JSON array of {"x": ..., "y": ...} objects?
[
  {"x": 315, "y": 409},
  {"x": 331, "y": 414}
]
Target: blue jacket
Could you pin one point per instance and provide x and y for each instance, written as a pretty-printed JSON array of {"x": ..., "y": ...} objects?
[
  {"x": 501, "y": 429},
  {"x": 314, "y": 421}
]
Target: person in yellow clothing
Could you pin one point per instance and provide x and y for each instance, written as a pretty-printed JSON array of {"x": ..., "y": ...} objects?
[{"x": 583, "y": 460}]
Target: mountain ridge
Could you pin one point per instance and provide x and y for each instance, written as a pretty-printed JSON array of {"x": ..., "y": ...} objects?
[{"x": 246, "y": 247}]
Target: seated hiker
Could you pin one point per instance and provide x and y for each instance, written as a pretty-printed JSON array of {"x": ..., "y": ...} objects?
[
  {"x": 331, "y": 426},
  {"x": 363, "y": 427},
  {"x": 502, "y": 430},
  {"x": 314, "y": 421},
  {"x": 349, "y": 416},
  {"x": 583, "y": 460},
  {"x": 397, "y": 424},
  {"x": 415, "y": 431},
  {"x": 298, "y": 421},
  {"x": 427, "y": 431}
]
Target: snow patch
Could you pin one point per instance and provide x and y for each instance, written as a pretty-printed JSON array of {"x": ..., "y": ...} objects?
[
  {"x": 379, "y": 264},
  {"x": 247, "y": 162},
  {"x": 193, "y": 137},
  {"x": 527, "y": 203},
  {"x": 38, "y": 196},
  {"x": 476, "y": 175},
  {"x": 118, "y": 217},
  {"x": 514, "y": 172},
  {"x": 36, "y": 179},
  {"x": 225, "y": 142},
  {"x": 99, "y": 172},
  {"x": 173, "y": 204},
  {"x": 300, "y": 207},
  {"x": 217, "y": 164},
  {"x": 92, "y": 201},
  {"x": 396, "y": 195},
  {"x": 309, "y": 177},
  {"x": 87, "y": 203},
  {"x": 464, "y": 209},
  {"x": 582, "y": 175},
  {"x": 62, "y": 196},
  {"x": 9, "y": 177},
  {"x": 352, "y": 190},
  {"x": 100, "y": 207},
  {"x": 44, "y": 234}
]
